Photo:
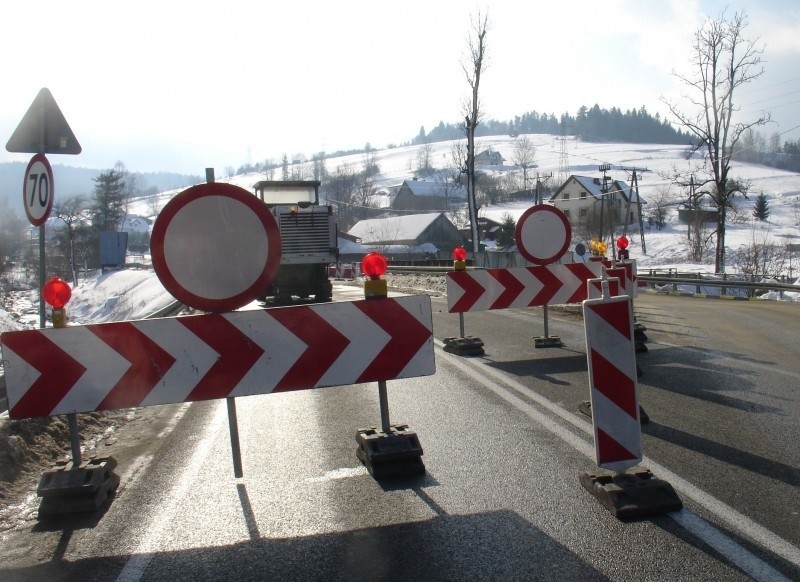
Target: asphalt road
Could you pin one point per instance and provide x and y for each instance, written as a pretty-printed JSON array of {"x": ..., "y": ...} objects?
[{"x": 504, "y": 445}]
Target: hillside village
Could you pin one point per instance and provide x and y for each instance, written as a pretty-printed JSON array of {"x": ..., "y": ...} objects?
[
  {"x": 404, "y": 207},
  {"x": 413, "y": 215}
]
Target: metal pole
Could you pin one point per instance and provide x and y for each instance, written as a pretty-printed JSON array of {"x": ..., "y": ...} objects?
[
  {"x": 75, "y": 440},
  {"x": 544, "y": 311},
  {"x": 233, "y": 425},
  {"x": 461, "y": 324},
  {"x": 384, "y": 402},
  {"x": 230, "y": 401}
]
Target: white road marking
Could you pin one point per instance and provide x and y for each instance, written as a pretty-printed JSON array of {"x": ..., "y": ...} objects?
[
  {"x": 135, "y": 567},
  {"x": 708, "y": 533}
]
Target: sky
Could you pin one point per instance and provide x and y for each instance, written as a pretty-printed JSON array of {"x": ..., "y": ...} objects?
[{"x": 180, "y": 86}]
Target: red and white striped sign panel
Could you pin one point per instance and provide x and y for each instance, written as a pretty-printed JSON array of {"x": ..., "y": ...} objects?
[
  {"x": 629, "y": 281},
  {"x": 183, "y": 359},
  {"x": 612, "y": 378},
  {"x": 594, "y": 287},
  {"x": 484, "y": 289}
]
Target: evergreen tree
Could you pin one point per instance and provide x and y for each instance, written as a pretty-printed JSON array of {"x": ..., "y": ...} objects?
[
  {"x": 109, "y": 201},
  {"x": 761, "y": 208},
  {"x": 507, "y": 232}
]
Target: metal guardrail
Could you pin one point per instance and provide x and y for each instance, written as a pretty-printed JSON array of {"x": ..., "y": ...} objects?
[
  {"x": 724, "y": 282},
  {"x": 715, "y": 281}
]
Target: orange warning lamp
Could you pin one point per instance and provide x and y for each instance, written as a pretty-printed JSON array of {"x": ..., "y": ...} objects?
[
  {"x": 373, "y": 266},
  {"x": 56, "y": 292},
  {"x": 460, "y": 258}
]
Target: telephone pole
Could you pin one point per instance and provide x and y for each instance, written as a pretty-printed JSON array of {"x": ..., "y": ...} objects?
[{"x": 634, "y": 190}]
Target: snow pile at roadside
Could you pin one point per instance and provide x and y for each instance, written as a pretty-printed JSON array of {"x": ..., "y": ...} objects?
[{"x": 117, "y": 296}]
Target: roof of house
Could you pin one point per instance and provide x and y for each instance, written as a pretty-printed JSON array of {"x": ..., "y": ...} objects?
[
  {"x": 595, "y": 188},
  {"x": 426, "y": 188},
  {"x": 394, "y": 228}
]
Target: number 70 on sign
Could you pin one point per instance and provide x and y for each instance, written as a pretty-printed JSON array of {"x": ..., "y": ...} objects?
[{"x": 37, "y": 190}]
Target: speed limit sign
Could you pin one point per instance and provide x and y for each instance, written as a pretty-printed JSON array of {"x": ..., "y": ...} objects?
[{"x": 37, "y": 191}]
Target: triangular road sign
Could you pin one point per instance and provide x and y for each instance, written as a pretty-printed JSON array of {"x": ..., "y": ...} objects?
[{"x": 44, "y": 130}]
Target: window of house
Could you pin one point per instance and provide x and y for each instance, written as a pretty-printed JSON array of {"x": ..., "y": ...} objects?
[
  {"x": 566, "y": 213},
  {"x": 583, "y": 195},
  {"x": 584, "y": 212},
  {"x": 566, "y": 196}
]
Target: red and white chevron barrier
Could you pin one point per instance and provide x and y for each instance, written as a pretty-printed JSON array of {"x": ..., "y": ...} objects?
[
  {"x": 183, "y": 359},
  {"x": 629, "y": 281},
  {"x": 612, "y": 378},
  {"x": 484, "y": 289}
]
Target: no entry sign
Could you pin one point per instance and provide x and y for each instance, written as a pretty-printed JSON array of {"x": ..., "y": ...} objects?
[
  {"x": 215, "y": 247},
  {"x": 543, "y": 234}
]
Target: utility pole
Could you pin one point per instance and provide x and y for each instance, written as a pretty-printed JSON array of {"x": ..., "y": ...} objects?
[
  {"x": 634, "y": 189},
  {"x": 538, "y": 195},
  {"x": 604, "y": 194},
  {"x": 563, "y": 158}
]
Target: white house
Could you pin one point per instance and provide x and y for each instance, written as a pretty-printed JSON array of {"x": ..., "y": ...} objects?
[
  {"x": 581, "y": 197},
  {"x": 134, "y": 223}
]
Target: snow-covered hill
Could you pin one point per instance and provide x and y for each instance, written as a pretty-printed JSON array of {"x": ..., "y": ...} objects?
[{"x": 665, "y": 248}]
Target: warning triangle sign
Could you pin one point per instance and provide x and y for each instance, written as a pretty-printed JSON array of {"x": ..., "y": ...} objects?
[{"x": 44, "y": 130}]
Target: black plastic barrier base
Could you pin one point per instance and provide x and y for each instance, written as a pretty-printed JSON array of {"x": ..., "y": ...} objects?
[
  {"x": 463, "y": 346},
  {"x": 67, "y": 489},
  {"x": 552, "y": 341},
  {"x": 639, "y": 338},
  {"x": 393, "y": 454},
  {"x": 635, "y": 493}
]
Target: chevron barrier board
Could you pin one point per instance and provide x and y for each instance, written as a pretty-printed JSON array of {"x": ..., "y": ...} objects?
[
  {"x": 201, "y": 357},
  {"x": 629, "y": 282},
  {"x": 594, "y": 287},
  {"x": 484, "y": 289},
  {"x": 612, "y": 379}
]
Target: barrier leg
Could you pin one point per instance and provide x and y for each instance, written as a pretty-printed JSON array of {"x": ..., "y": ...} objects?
[
  {"x": 547, "y": 341},
  {"x": 392, "y": 451},
  {"x": 615, "y": 414},
  {"x": 463, "y": 346}
]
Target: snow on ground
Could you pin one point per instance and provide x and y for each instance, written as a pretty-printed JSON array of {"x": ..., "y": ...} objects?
[
  {"x": 665, "y": 248},
  {"x": 133, "y": 294}
]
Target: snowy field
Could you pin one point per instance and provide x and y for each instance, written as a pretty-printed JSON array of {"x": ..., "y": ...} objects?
[
  {"x": 133, "y": 294},
  {"x": 665, "y": 248}
]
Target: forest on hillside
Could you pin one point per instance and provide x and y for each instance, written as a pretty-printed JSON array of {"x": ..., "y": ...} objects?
[{"x": 590, "y": 124}]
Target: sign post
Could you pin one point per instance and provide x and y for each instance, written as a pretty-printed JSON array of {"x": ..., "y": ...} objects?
[
  {"x": 43, "y": 130},
  {"x": 543, "y": 235},
  {"x": 623, "y": 490}
]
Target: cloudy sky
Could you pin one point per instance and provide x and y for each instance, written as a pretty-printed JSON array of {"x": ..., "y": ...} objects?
[{"x": 174, "y": 85}]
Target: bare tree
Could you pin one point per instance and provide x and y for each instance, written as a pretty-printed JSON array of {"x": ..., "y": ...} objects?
[
  {"x": 724, "y": 61},
  {"x": 73, "y": 212},
  {"x": 473, "y": 66},
  {"x": 424, "y": 162},
  {"x": 523, "y": 157}
]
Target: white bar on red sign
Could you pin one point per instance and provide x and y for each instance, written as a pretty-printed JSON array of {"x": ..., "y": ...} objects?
[
  {"x": 611, "y": 357},
  {"x": 595, "y": 287},
  {"x": 202, "y": 357}
]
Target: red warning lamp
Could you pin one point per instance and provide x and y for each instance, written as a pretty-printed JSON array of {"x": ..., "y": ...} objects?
[
  {"x": 56, "y": 292},
  {"x": 460, "y": 256},
  {"x": 373, "y": 266},
  {"x": 622, "y": 245}
]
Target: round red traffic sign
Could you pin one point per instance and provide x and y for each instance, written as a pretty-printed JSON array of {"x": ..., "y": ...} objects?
[
  {"x": 543, "y": 234},
  {"x": 215, "y": 247},
  {"x": 37, "y": 190}
]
